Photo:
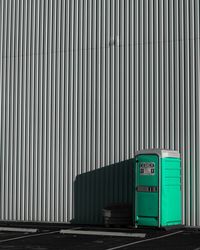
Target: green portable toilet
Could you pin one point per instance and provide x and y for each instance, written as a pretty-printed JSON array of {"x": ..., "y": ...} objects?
[{"x": 158, "y": 188}]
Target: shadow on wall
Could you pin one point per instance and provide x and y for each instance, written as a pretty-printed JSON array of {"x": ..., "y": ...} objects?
[{"x": 100, "y": 188}]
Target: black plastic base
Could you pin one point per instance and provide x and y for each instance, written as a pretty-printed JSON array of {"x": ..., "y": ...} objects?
[
  {"x": 165, "y": 228},
  {"x": 174, "y": 227}
]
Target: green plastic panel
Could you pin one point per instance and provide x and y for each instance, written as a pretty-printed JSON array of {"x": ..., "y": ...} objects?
[
  {"x": 171, "y": 213},
  {"x": 146, "y": 210}
]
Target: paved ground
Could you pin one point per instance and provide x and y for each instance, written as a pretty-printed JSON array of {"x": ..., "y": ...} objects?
[{"x": 53, "y": 240}]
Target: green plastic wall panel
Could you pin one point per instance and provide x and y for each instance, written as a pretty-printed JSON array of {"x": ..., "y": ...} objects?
[
  {"x": 171, "y": 211},
  {"x": 147, "y": 202}
]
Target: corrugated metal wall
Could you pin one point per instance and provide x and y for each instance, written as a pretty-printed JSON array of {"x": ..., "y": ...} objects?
[{"x": 83, "y": 85}]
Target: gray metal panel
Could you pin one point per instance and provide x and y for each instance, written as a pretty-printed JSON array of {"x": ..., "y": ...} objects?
[{"x": 85, "y": 84}]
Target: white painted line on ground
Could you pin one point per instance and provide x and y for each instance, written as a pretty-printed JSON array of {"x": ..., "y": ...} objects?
[
  {"x": 32, "y": 235},
  {"x": 17, "y": 229},
  {"x": 101, "y": 233},
  {"x": 141, "y": 241}
]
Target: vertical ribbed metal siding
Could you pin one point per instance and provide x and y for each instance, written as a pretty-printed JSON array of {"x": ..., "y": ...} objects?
[{"x": 83, "y": 85}]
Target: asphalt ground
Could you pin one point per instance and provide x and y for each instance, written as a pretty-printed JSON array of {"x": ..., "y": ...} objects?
[{"x": 52, "y": 239}]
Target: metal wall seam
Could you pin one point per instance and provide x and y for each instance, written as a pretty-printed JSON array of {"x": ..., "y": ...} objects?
[
  {"x": 103, "y": 96},
  {"x": 40, "y": 108},
  {"x": 98, "y": 105},
  {"x": 66, "y": 124},
  {"x": 49, "y": 124},
  {"x": 30, "y": 129},
  {"x": 197, "y": 93},
  {"x": 23, "y": 96},
  {"x": 166, "y": 71},
  {"x": 93, "y": 96},
  {"x": 176, "y": 36},
  {"x": 187, "y": 111},
  {"x": 61, "y": 106},
  {"x": 156, "y": 49},
  {"x": 88, "y": 102},
  {"x": 161, "y": 72},
  {"x": 102, "y": 48},
  {"x": 44, "y": 17},
  {"x": 57, "y": 108},
  {"x": 136, "y": 72},
  {"x": 15, "y": 139},
  {"x": 28, "y": 86},
  {"x": 114, "y": 81},
  {"x": 58, "y": 112},
  {"x": 93, "y": 80},
  {"x": 88, "y": 85},
  {"x": 60, "y": 103},
  {"x": 11, "y": 113},
  {"x": 131, "y": 66},
  {"x": 1, "y": 77},
  {"x": 151, "y": 86},
  {"x": 53, "y": 112},
  {"x": 121, "y": 82},
  {"x": 141, "y": 73},
  {"x": 127, "y": 50},
  {"x": 70, "y": 103},
  {"x": 7, "y": 116},
  {"x": 3, "y": 39},
  {"x": 107, "y": 80},
  {"x": 108, "y": 146},
  {"x": 36, "y": 110},
  {"x": 35, "y": 115},
  {"x": 171, "y": 74},
  {"x": 84, "y": 86},
  {"x": 19, "y": 113},
  {"x": 84, "y": 158},
  {"x": 28, "y": 98},
  {"x": 182, "y": 102},
  {"x": 145, "y": 48},
  {"x": 192, "y": 114}
]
